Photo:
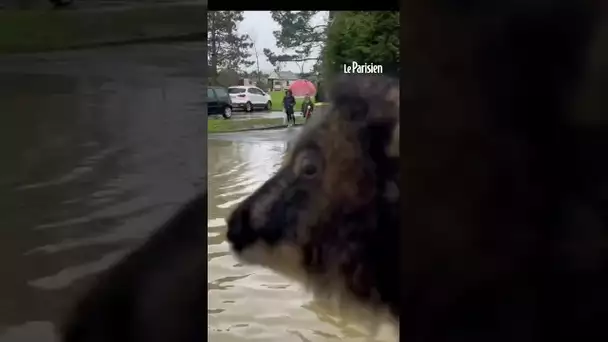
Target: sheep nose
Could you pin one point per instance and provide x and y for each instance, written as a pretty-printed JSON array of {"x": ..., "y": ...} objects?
[{"x": 240, "y": 232}]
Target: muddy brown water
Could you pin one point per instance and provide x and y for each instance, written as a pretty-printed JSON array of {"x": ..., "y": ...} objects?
[{"x": 249, "y": 303}]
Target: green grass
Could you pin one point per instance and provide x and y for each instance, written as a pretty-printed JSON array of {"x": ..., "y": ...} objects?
[
  {"x": 223, "y": 126},
  {"x": 44, "y": 30},
  {"x": 277, "y": 101}
]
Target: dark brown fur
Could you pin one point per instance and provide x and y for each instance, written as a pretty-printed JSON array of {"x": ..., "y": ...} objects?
[
  {"x": 505, "y": 189},
  {"x": 335, "y": 230}
]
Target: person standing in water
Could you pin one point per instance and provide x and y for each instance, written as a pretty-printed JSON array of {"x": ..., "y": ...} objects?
[{"x": 289, "y": 103}]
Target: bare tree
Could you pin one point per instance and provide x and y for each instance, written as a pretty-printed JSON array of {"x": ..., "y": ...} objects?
[{"x": 253, "y": 38}]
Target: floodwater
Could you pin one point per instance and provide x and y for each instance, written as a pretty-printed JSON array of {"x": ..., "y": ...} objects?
[
  {"x": 249, "y": 303},
  {"x": 98, "y": 147}
]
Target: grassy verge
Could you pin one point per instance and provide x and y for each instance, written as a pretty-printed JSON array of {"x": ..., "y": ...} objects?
[
  {"x": 223, "y": 126},
  {"x": 44, "y": 30}
]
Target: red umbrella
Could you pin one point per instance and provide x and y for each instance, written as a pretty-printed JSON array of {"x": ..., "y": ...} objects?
[{"x": 303, "y": 88}]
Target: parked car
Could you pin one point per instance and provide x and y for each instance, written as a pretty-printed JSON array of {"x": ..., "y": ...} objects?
[
  {"x": 249, "y": 98},
  {"x": 218, "y": 101}
]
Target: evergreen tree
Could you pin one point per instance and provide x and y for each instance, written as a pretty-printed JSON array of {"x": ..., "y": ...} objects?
[{"x": 226, "y": 48}]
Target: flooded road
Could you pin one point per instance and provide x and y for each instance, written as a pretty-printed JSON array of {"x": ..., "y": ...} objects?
[
  {"x": 248, "y": 303},
  {"x": 98, "y": 147}
]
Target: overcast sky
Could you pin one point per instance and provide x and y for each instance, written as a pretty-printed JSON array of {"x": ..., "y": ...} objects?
[{"x": 259, "y": 25}]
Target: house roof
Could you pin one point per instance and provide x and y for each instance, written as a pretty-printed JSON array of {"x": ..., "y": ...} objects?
[{"x": 283, "y": 75}]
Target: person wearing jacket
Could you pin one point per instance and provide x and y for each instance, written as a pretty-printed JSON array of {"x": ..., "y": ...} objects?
[{"x": 289, "y": 103}]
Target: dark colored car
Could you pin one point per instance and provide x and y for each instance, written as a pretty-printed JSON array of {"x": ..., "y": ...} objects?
[{"x": 218, "y": 101}]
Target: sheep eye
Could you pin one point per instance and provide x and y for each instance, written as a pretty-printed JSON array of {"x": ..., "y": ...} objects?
[{"x": 308, "y": 164}]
